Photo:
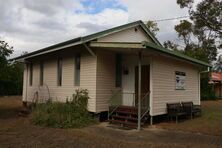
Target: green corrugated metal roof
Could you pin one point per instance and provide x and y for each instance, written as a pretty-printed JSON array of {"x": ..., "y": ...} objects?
[
  {"x": 173, "y": 53},
  {"x": 81, "y": 40}
]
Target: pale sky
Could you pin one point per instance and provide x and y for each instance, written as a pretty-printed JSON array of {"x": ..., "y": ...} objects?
[{"x": 29, "y": 25}]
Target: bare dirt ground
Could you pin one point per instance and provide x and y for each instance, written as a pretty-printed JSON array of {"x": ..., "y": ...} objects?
[{"x": 18, "y": 131}]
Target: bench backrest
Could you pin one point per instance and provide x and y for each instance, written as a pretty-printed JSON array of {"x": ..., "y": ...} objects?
[
  {"x": 187, "y": 106},
  {"x": 173, "y": 107}
]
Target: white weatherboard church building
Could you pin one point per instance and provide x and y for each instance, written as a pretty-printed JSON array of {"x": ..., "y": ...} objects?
[{"x": 126, "y": 61}]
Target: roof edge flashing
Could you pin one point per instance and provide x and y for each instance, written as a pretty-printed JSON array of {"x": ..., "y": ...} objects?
[
  {"x": 175, "y": 54},
  {"x": 87, "y": 38}
]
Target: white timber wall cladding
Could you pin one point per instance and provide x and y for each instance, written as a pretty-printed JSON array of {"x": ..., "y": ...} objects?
[
  {"x": 105, "y": 81},
  {"x": 129, "y": 35},
  {"x": 24, "y": 83},
  {"x": 88, "y": 79},
  {"x": 164, "y": 90},
  {"x": 61, "y": 93},
  {"x": 31, "y": 89}
]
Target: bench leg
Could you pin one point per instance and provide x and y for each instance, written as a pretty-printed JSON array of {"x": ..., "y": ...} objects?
[
  {"x": 176, "y": 119},
  {"x": 169, "y": 118}
]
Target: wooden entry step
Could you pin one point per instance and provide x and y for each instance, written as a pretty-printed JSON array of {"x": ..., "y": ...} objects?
[
  {"x": 132, "y": 125},
  {"x": 125, "y": 116}
]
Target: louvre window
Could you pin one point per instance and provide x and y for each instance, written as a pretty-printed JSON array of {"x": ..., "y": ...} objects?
[
  {"x": 59, "y": 72},
  {"x": 30, "y": 74},
  {"x": 77, "y": 70},
  {"x": 41, "y": 73}
]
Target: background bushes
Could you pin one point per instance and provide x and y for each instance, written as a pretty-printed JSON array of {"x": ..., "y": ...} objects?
[
  {"x": 11, "y": 79},
  {"x": 8, "y": 87},
  {"x": 207, "y": 91}
]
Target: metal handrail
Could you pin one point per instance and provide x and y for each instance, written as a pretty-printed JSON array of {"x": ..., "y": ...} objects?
[
  {"x": 146, "y": 94},
  {"x": 110, "y": 113},
  {"x": 113, "y": 95},
  {"x": 130, "y": 93},
  {"x": 119, "y": 92},
  {"x": 142, "y": 115},
  {"x": 122, "y": 93}
]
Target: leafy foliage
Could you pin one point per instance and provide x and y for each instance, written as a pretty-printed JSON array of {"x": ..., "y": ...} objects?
[
  {"x": 208, "y": 16},
  {"x": 218, "y": 65},
  {"x": 11, "y": 80},
  {"x": 152, "y": 27},
  {"x": 207, "y": 92},
  {"x": 171, "y": 45},
  {"x": 184, "y": 30},
  {"x": 72, "y": 114},
  {"x": 5, "y": 51},
  {"x": 201, "y": 35},
  {"x": 184, "y": 3},
  {"x": 10, "y": 73}
]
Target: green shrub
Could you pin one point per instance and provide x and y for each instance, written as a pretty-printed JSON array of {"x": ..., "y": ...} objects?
[
  {"x": 72, "y": 114},
  {"x": 207, "y": 91}
]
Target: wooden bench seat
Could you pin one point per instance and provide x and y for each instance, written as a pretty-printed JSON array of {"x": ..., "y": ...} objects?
[
  {"x": 175, "y": 110},
  {"x": 183, "y": 109},
  {"x": 191, "y": 109}
]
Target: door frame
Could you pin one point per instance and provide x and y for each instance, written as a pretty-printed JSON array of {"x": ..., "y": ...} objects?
[{"x": 136, "y": 82}]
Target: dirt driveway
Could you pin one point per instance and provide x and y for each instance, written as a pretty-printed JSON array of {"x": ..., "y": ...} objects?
[{"x": 17, "y": 131}]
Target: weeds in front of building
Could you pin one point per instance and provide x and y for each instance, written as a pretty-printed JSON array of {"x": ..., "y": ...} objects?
[{"x": 72, "y": 114}]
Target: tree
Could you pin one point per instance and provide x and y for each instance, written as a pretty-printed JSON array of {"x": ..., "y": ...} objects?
[
  {"x": 208, "y": 14},
  {"x": 201, "y": 35},
  {"x": 218, "y": 65},
  {"x": 170, "y": 45},
  {"x": 16, "y": 76},
  {"x": 184, "y": 30},
  {"x": 152, "y": 27},
  {"x": 10, "y": 73},
  {"x": 5, "y": 51},
  {"x": 185, "y": 3}
]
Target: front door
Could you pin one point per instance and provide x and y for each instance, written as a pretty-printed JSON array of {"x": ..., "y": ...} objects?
[{"x": 145, "y": 82}]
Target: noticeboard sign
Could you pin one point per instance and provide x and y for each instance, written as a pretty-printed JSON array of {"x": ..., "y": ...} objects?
[{"x": 180, "y": 80}]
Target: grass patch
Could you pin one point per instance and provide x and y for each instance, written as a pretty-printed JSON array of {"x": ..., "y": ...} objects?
[
  {"x": 209, "y": 123},
  {"x": 72, "y": 114}
]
